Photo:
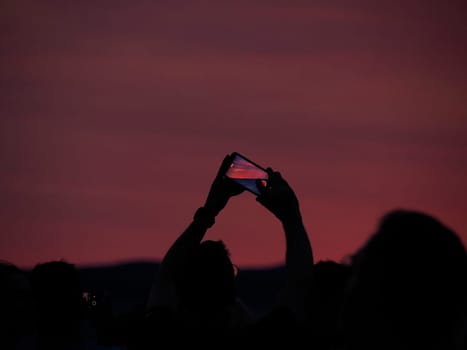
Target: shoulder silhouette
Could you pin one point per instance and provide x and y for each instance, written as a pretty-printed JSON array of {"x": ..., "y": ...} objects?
[{"x": 408, "y": 286}]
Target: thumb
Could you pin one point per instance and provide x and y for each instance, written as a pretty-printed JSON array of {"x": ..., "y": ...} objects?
[{"x": 223, "y": 167}]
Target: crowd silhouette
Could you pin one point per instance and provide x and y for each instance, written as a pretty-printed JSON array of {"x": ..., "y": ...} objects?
[{"x": 405, "y": 288}]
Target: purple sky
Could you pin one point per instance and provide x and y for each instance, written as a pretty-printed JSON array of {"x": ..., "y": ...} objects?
[{"x": 115, "y": 116}]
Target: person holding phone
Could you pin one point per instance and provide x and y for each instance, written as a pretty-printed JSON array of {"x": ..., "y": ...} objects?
[{"x": 195, "y": 285}]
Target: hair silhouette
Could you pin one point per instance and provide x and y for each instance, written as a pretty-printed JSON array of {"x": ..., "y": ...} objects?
[
  {"x": 16, "y": 307},
  {"x": 209, "y": 280},
  {"x": 408, "y": 286},
  {"x": 58, "y": 300}
]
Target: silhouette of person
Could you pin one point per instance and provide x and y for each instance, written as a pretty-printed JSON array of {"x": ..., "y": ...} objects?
[
  {"x": 195, "y": 284},
  {"x": 195, "y": 287},
  {"x": 408, "y": 286},
  {"x": 58, "y": 301},
  {"x": 16, "y": 309}
]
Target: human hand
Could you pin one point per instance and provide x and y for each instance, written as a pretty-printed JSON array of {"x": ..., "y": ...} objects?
[
  {"x": 278, "y": 197},
  {"x": 222, "y": 189}
]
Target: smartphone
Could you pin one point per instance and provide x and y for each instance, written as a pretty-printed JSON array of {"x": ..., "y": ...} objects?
[{"x": 246, "y": 173}]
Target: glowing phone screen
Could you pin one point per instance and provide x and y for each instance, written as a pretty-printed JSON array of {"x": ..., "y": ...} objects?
[{"x": 246, "y": 173}]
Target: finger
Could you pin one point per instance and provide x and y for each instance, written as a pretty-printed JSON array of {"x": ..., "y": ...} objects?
[
  {"x": 276, "y": 178},
  {"x": 225, "y": 165}
]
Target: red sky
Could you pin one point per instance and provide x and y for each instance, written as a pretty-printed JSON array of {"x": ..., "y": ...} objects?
[{"x": 115, "y": 116}]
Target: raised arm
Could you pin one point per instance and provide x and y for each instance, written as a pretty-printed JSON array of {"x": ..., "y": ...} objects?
[
  {"x": 163, "y": 291},
  {"x": 279, "y": 198}
]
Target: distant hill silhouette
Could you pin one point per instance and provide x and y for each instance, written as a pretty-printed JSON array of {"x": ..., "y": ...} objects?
[{"x": 128, "y": 285}]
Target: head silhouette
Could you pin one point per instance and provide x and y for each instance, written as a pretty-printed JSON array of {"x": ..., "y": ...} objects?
[
  {"x": 209, "y": 282},
  {"x": 408, "y": 286},
  {"x": 58, "y": 299},
  {"x": 16, "y": 307}
]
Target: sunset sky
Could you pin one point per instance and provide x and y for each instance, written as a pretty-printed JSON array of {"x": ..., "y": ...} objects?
[{"x": 115, "y": 116}]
